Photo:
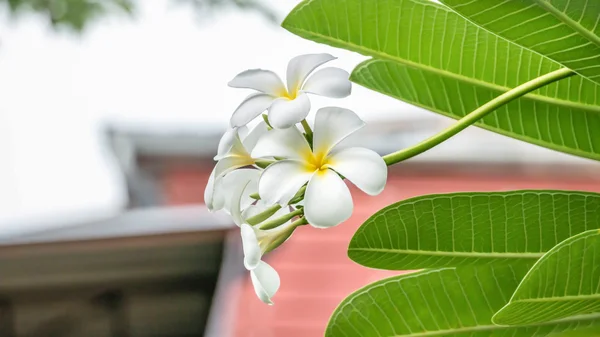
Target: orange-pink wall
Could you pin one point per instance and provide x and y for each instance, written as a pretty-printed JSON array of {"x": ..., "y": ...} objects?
[{"x": 315, "y": 271}]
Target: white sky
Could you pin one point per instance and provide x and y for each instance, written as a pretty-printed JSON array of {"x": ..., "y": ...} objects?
[{"x": 164, "y": 68}]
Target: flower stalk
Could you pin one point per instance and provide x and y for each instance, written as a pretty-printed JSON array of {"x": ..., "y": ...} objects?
[
  {"x": 307, "y": 131},
  {"x": 285, "y": 235},
  {"x": 264, "y": 215},
  {"x": 270, "y": 224},
  {"x": 477, "y": 114}
]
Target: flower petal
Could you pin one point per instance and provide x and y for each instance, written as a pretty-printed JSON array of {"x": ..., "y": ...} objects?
[
  {"x": 211, "y": 198},
  {"x": 230, "y": 163},
  {"x": 329, "y": 82},
  {"x": 262, "y": 80},
  {"x": 301, "y": 66},
  {"x": 250, "y": 141},
  {"x": 284, "y": 112},
  {"x": 281, "y": 181},
  {"x": 266, "y": 281},
  {"x": 286, "y": 143},
  {"x": 327, "y": 200},
  {"x": 236, "y": 157},
  {"x": 236, "y": 188},
  {"x": 363, "y": 167},
  {"x": 252, "y": 252},
  {"x": 227, "y": 140},
  {"x": 250, "y": 108},
  {"x": 332, "y": 125}
]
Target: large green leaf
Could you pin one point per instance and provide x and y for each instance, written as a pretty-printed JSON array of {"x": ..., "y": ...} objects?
[
  {"x": 567, "y": 31},
  {"x": 460, "y": 229},
  {"x": 444, "y": 302},
  {"x": 440, "y": 61},
  {"x": 565, "y": 282},
  {"x": 535, "y": 121}
]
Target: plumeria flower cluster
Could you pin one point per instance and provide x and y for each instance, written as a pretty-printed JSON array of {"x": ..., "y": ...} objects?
[{"x": 279, "y": 176}]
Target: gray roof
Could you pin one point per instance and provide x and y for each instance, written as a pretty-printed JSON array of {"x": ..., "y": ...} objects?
[{"x": 133, "y": 223}]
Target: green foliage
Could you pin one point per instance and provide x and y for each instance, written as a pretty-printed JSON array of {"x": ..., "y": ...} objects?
[
  {"x": 459, "y": 229},
  {"x": 78, "y": 14},
  {"x": 431, "y": 57},
  {"x": 440, "y": 302},
  {"x": 565, "y": 282},
  {"x": 74, "y": 14},
  {"x": 565, "y": 31}
]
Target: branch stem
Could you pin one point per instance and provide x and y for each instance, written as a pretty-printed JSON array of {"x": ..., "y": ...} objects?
[{"x": 477, "y": 114}]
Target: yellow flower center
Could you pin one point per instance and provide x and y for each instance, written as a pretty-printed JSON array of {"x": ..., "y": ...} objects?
[
  {"x": 317, "y": 162},
  {"x": 288, "y": 94}
]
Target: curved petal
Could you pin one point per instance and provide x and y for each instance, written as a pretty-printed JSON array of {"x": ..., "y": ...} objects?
[
  {"x": 281, "y": 181},
  {"x": 329, "y": 82},
  {"x": 266, "y": 281},
  {"x": 363, "y": 167},
  {"x": 252, "y": 252},
  {"x": 301, "y": 66},
  {"x": 250, "y": 141},
  {"x": 286, "y": 143},
  {"x": 250, "y": 108},
  {"x": 231, "y": 163},
  {"x": 262, "y": 80},
  {"x": 284, "y": 113},
  {"x": 327, "y": 200},
  {"x": 236, "y": 188},
  {"x": 211, "y": 198},
  {"x": 227, "y": 140},
  {"x": 332, "y": 125},
  {"x": 236, "y": 157}
]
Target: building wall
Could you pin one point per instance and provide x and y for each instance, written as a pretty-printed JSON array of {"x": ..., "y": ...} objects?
[{"x": 315, "y": 272}]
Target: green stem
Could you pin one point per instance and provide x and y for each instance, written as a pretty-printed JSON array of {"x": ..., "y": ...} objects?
[
  {"x": 298, "y": 196},
  {"x": 264, "y": 215},
  {"x": 307, "y": 128},
  {"x": 307, "y": 131},
  {"x": 266, "y": 119},
  {"x": 280, "y": 221},
  {"x": 477, "y": 114},
  {"x": 285, "y": 235}
]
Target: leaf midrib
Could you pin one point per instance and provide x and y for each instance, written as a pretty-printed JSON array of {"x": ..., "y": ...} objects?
[
  {"x": 569, "y": 22},
  {"x": 451, "y": 254},
  {"x": 590, "y": 317},
  {"x": 558, "y": 299},
  {"x": 367, "y": 51}
]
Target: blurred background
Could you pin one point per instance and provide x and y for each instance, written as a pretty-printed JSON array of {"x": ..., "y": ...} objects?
[{"x": 110, "y": 114}]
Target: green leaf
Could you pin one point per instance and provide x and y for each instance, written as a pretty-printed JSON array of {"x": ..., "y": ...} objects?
[
  {"x": 589, "y": 332},
  {"x": 566, "y": 31},
  {"x": 535, "y": 121},
  {"x": 440, "y": 61},
  {"x": 461, "y": 229},
  {"x": 443, "y": 302},
  {"x": 565, "y": 282}
]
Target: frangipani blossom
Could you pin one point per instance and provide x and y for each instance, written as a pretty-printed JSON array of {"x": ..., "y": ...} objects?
[
  {"x": 233, "y": 152},
  {"x": 238, "y": 184},
  {"x": 255, "y": 242},
  {"x": 288, "y": 106},
  {"x": 327, "y": 200}
]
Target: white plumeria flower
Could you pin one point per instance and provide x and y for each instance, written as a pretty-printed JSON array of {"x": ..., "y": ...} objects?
[
  {"x": 327, "y": 200},
  {"x": 265, "y": 278},
  {"x": 238, "y": 184},
  {"x": 288, "y": 106},
  {"x": 234, "y": 152}
]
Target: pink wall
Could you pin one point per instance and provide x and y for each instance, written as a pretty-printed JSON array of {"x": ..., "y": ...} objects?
[{"x": 315, "y": 271}]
